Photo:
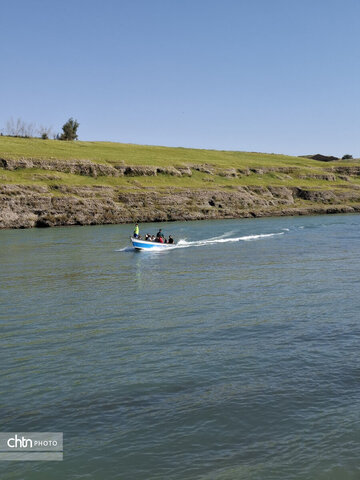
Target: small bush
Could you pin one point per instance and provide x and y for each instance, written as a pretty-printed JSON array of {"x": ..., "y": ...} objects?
[{"x": 44, "y": 132}]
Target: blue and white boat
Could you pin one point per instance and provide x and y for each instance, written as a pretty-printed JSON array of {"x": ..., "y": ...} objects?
[{"x": 146, "y": 245}]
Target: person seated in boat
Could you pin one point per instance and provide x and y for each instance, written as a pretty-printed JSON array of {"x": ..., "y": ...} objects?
[
  {"x": 171, "y": 240},
  {"x": 160, "y": 235},
  {"x": 161, "y": 239},
  {"x": 136, "y": 231},
  {"x": 148, "y": 237}
]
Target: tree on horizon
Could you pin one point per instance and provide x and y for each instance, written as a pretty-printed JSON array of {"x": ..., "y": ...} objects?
[{"x": 70, "y": 130}]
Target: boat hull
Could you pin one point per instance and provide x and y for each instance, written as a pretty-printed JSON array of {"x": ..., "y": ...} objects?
[{"x": 145, "y": 245}]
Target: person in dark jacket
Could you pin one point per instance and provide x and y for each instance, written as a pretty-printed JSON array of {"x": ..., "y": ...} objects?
[{"x": 160, "y": 235}]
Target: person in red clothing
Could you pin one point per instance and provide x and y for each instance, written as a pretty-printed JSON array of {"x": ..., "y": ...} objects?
[{"x": 160, "y": 236}]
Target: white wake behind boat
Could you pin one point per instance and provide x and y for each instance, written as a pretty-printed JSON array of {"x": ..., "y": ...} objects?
[{"x": 146, "y": 245}]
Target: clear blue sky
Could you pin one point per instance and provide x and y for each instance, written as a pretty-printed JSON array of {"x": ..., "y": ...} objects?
[{"x": 257, "y": 75}]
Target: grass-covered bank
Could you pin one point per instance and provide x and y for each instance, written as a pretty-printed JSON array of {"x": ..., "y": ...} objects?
[
  {"x": 131, "y": 154},
  {"x": 48, "y": 182}
]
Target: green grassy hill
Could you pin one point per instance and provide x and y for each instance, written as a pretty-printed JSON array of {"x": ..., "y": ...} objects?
[
  {"x": 68, "y": 169},
  {"x": 130, "y": 154},
  {"x": 108, "y": 153}
]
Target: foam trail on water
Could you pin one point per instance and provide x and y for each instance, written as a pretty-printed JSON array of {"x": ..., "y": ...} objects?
[
  {"x": 224, "y": 235},
  {"x": 214, "y": 239},
  {"x": 125, "y": 249},
  {"x": 183, "y": 243}
]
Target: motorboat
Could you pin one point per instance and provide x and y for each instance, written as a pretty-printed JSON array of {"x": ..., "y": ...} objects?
[{"x": 140, "y": 244}]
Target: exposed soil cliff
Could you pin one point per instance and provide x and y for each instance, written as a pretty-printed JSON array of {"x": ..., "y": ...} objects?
[
  {"x": 57, "y": 203},
  {"x": 34, "y": 206}
]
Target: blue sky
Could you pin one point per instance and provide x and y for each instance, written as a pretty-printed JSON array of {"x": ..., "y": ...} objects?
[{"x": 256, "y": 75}]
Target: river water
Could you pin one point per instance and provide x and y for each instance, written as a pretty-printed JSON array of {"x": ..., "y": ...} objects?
[{"x": 232, "y": 356}]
